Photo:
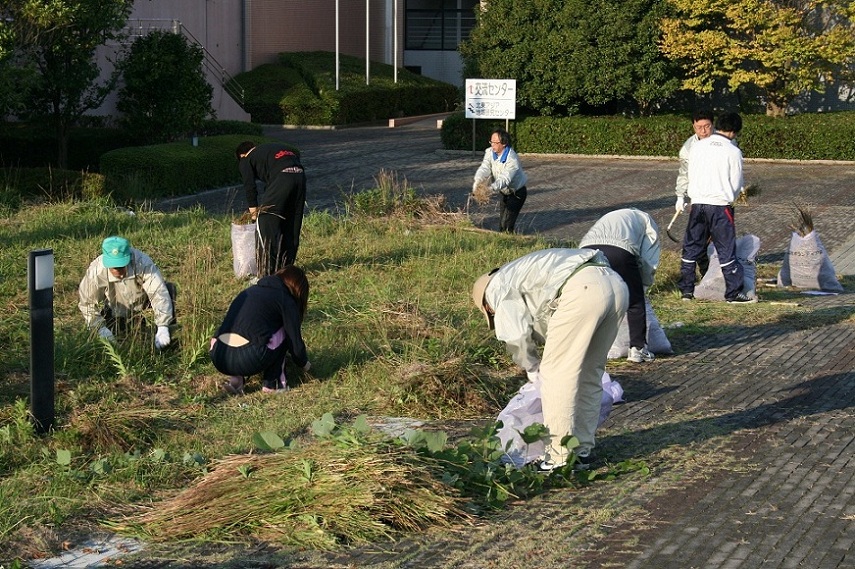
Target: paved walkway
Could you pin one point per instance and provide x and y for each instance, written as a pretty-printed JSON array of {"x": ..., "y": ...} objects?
[{"x": 781, "y": 395}]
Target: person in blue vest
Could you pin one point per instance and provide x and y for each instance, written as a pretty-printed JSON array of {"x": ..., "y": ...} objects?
[{"x": 502, "y": 165}]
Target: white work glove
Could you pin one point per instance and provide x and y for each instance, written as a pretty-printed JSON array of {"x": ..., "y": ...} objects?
[
  {"x": 475, "y": 185},
  {"x": 162, "y": 339},
  {"x": 681, "y": 204},
  {"x": 104, "y": 332},
  {"x": 308, "y": 366},
  {"x": 533, "y": 375}
]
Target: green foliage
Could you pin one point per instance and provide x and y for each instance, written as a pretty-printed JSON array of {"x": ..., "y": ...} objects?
[
  {"x": 28, "y": 185},
  {"x": 301, "y": 89},
  {"x": 165, "y": 94},
  {"x": 59, "y": 38},
  {"x": 783, "y": 49},
  {"x": 575, "y": 56},
  {"x": 32, "y": 145},
  {"x": 816, "y": 136},
  {"x": 176, "y": 168}
]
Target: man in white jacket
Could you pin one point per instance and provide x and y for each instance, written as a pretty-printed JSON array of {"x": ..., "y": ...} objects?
[
  {"x": 715, "y": 180},
  {"x": 572, "y": 302},
  {"x": 702, "y": 124},
  {"x": 629, "y": 238},
  {"x": 120, "y": 282}
]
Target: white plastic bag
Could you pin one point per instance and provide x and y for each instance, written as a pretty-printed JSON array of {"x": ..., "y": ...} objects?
[
  {"x": 243, "y": 250},
  {"x": 807, "y": 265},
  {"x": 525, "y": 409},
  {"x": 657, "y": 341},
  {"x": 712, "y": 286}
]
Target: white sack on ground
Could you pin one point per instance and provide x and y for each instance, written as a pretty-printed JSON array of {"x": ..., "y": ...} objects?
[
  {"x": 807, "y": 265},
  {"x": 712, "y": 285},
  {"x": 525, "y": 409},
  {"x": 657, "y": 341},
  {"x": 243, "y": 250}
]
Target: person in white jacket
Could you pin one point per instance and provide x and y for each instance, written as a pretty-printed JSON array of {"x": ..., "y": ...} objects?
[
  {"x": 121, "y": 282},
  {"x": 629, "y": 238},
  {"x": 572, "y": 302},
  {"x": 715, "y": 180},
  {"x": 502, "y": 165},
  {"x": 702, "y": 124}
]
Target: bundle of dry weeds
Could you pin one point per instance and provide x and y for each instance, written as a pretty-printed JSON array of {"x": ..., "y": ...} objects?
[
  {"x": 482, "y": 193},
  {"x": 318, "y": 496},
  {"x": 750, "y": 191},
  {"x": 804, "y": 221}
]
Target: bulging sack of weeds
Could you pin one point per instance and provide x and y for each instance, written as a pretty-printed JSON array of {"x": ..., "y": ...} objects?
[
  {"x": 243, "y": 250},
  {"x": 712, "y": 286},
  {"x": 657, "y": 341},
  {"x": 807, "y": 265}
]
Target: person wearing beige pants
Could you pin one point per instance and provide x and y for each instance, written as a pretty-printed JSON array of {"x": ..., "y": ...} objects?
[
  {"x": 572, "y": 302},
  {"x": 580, "y": 333}
]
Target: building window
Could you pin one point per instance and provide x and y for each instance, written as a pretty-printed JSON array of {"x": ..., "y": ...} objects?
[{"x": 438, "y": 24}]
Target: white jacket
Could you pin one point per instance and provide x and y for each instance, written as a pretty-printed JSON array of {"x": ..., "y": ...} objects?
[
  {"x": 521, "y": 295},
  {"x": 682, "y": 186},
  {"x": 632, "y": 230},
  {"x": 507, "y": 176},
  {"x": 715, "y": 171},
  {"x": 142, "y": 282}
]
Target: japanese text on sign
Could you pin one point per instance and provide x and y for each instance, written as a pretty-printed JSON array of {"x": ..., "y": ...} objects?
[{"x": 491, "y": 98}]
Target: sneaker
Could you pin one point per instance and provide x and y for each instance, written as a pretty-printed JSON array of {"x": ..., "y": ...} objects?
[
  {"x": 583, "y": 461},
  {"x": 234, "y": 386},
  {"x": 687, "y": 296},
  {"x": 638, "y": 355},
  {"x": 742, "y": 298},
  {"x": 549, "y": 466}
]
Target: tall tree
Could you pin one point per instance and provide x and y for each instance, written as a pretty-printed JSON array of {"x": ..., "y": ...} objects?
[
  {"x": 59, "y": 38},
  {"x": 566, "y": 54},
  {"x": 785, "y": 48},
  {"x": 165, "y": 94}
]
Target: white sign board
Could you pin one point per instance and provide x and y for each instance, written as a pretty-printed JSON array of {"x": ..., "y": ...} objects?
[{"x": 491, "y": 98}]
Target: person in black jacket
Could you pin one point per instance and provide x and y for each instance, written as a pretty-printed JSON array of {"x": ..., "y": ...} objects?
[
  {"x": 261, "y": 327},
  {"x": 279, "y": 212}
]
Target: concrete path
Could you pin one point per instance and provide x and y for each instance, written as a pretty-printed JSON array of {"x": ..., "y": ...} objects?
[{"x": 781, "y": 397}]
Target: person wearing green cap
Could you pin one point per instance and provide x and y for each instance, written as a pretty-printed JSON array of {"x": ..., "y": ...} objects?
[{"x": 123, "y": 281}]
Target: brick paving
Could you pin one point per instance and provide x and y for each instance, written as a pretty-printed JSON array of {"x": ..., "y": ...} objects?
[{"x": 780, "y": 397}]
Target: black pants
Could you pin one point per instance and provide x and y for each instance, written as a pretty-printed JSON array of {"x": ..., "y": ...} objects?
[
  {"x": 626, "y": 265},
  {"x": 280, "y": 221},
  {"x": 510, "y": 208},
  {"x": 250, "y": 359}
]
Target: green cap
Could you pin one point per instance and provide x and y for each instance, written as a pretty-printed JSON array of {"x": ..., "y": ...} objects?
[{"x": 117, "y": 252}]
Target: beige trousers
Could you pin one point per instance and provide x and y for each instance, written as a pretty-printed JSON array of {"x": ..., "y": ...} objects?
[{"x": 578, "y": 338}]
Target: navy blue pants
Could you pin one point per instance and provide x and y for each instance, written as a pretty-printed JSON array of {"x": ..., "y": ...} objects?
[{"x": 711, "y": 222}]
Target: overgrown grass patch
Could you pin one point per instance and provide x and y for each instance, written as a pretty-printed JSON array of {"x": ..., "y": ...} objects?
[{"x": 390, "y": 332}]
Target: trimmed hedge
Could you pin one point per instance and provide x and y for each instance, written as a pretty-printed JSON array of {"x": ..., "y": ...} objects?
[
  {"x": 817, "y": 136},
  {"x": 176, "y": 168},
  {"x": 300, "y": 89},
  {"x": 24, "y": 145}
]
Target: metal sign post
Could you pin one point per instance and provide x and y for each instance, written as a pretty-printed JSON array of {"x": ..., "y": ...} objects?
[
  {"x": 490, "y": 99},
  {"x": 40, "y": 276}
]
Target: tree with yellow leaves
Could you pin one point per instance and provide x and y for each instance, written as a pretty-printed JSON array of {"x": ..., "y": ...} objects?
[{"x": 783, "y": 47}]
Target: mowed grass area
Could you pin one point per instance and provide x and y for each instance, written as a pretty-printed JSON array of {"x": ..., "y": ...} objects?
[{"x": 391, "y": 331}]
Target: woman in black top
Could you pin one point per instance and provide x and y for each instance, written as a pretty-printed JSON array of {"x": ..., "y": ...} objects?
[{"x": 261, "y": 326}]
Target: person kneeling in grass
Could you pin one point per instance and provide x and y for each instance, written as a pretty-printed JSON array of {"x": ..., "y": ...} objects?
[{"x": 261, "y": 327}]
